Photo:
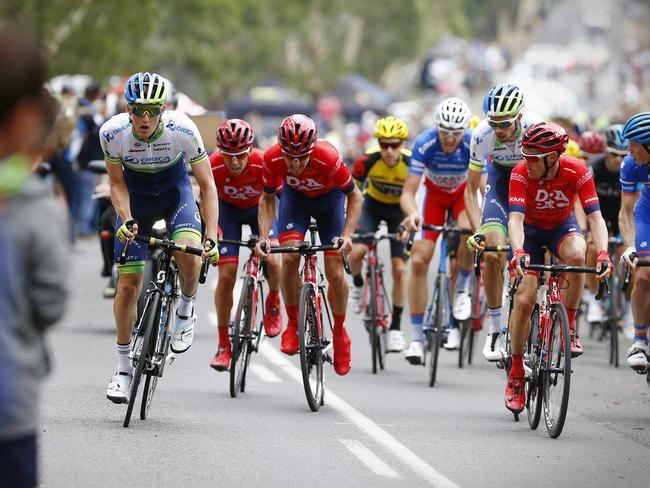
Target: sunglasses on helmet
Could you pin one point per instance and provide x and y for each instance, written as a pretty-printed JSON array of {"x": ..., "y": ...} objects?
[
  {"x": 141, "y": 110},
  {"x": 501, "y": 124}
]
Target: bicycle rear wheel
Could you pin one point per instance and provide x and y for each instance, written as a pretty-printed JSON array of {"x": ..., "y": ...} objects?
[
  {"x": 142, "y": 348},
  {"x": 240, "y": 339},
  {"x": 373, "y": 317},
  {"x": 311, "y": 348},
  {"x": 557, "y": 370},
  {"x": 384, "y": 311}
]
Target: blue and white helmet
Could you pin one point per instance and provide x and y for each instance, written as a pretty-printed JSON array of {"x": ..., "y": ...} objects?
[
  {"x": 503, "y": 101},
  {"x": 146, "y": 89},
  {"x": 638, "y": 128}
]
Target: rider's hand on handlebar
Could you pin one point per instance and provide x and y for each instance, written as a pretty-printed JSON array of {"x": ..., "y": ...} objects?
[
  {"x": 127, "y": 231},
  {"x": 263, "y": 248},
  {"x": 629, "y": 257},
  {"x": 412, "y": 223},
  {"x": 211, "y": 251},
  {"x": 603, "y": 257},
  {"x": 346, "y": 245},
  {"x": 476, "y": 242},
  {"x": 516, "y": 261}
]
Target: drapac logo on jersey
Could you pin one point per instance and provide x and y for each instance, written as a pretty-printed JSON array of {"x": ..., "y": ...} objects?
[
  {"x": 241, "y": 193},
  {"x": 553, "y": 199},
  {"x": 308, "y": 184}
]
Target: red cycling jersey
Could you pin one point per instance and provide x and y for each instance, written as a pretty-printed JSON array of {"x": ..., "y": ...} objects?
[
  {"x": 548, "y": 203},
  {"x": 325, "y": 171},
  {"x": 241, "y": 191}
]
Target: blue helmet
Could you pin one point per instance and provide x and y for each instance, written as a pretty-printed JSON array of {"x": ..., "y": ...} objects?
[
  {"x": 638, "y": 128},
  {"x": 614, "y": 138},
  {"x": 503, "y": 101},
  {"x": 146, "y": 88}
]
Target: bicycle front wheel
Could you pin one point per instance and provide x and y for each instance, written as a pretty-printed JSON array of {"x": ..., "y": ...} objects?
[
  {"x": 142, "y": 348},
  {"x": 373, "y": 317},
  {"x": 557, "y": 370},
  {"x": 534, "y": 374},
  {"x": 435, "y": 335},
  {"x": 241, "y": 339},
  {"x": 310, "y": 347}
]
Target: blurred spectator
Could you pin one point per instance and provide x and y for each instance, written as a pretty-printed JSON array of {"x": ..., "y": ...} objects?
[{"x": 32, "y": 253}]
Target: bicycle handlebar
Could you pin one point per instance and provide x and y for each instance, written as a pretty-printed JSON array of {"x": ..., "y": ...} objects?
[
  {"x": 372, "y": 236},
  {"x": 250, "y": 243},
  {"x": 478, "y": 254},
  {"x": 306, "y": 249},
  {"x": 603, "y": 286},
  {"x": 628, "y": 272},
  {"x": 445, "y": 229}
]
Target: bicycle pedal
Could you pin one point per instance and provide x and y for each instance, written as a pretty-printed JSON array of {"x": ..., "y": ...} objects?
[
  {"x": 171, "y": 357},
  {"x": 328, "y": 347},
  {"x": 501, "y": 364}
]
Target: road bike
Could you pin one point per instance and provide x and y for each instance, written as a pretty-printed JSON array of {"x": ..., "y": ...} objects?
[
  {"x": 314, "y": 317},
  {"x": 248, "y": 322},
  {"x": 376, "y": 303},
  {"x": 152, "y": 333}
]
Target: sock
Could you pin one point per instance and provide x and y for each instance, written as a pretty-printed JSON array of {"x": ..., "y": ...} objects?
[
  {"x": 339, "y": 320},
  {"x": 273, "y": 294},
  {"x": 123, "y": 359},
  {"x": 185, "y": 306},
  {"x": 416, "y": 324},
  {"x": 396, "y": 323},
  {"x": 224, "y": 340},
  {"x": 462, "y": 282},
  {"x": 571, "y": 312},
  {"x": 517, "y": 365},
  {"x": 357, "y": 280},
  {"x": 641, "y": 333},
  {"x": 292, "y": 315},
  {"x": 495, "y": 319}
]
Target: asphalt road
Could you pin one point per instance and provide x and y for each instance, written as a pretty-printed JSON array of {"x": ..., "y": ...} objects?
[{"x": 388, "y": 429}]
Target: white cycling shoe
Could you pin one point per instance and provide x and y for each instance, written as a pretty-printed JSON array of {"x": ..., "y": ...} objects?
[
  {"x": 183, "y": 333},
  {"x": 414, "y": 352},
  {"x": 118, "y": 388},
  {"x": 637, "y": 356},
  {"x": 356, "y": 299},
  {"x": 462, "y": 306},
  {"x": 395, "y": 341},
  {"x": 494, "y": 348},
  {"x": 453, "y": 340}
]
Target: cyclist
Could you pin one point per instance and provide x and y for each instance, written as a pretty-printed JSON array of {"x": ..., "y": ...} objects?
[
  {"x": 605, "y": 170},
  {"x": 634, "y": 221},
  {"x": 497, "y": 139},
  {"x": 592, "y": 145},
  {"x": 237, "y": 171},
  {"x": 442, "y": 154},
  {"x": 385, "y": 167},
  {"x": 543, "y": 188},
  {"x": 146, "y": 150},
  {"x": 317, "y": 184}
]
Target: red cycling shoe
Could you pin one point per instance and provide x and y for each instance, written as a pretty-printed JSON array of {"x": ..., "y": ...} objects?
[
  {"x": 221, "y": 360},
  {"x": 515, "y": 396},
  {"x": 272, "y": 316},
  {"x": 289, "y": 340},
  {"x": 576, "y": 344},
  {"x": 342, "y": 356}
]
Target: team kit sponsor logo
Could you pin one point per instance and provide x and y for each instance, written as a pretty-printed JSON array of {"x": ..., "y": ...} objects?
[
  {"x": 545, "y": 199},
  {"x": 241, "y": 192},
  {"x": 307, "y": 184}
]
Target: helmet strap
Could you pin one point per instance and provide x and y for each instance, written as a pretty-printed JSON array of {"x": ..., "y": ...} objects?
[{"x": 547, "y": 167}]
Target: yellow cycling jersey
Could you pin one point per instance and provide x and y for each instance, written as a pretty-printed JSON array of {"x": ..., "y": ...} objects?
[{"x": 385, "y": 184}]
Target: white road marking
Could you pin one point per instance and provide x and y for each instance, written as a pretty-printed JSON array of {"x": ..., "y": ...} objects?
[
  {"x": 363, "y": 423},
  {"x": 264, "y": 373},
  {"x": 369, "y": 458}
]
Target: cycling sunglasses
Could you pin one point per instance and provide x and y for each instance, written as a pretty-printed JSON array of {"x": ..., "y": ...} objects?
[
  {"x": 535, "y": 157},
  {"x": 449, "y": 132},
  {"x": 141, "y": 110},
  {"x": 392, "y": 145},
  {"x": 501, "y": 124}
]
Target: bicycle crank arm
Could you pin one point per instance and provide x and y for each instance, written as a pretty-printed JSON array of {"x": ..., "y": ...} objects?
[
  {"x": 326, "y": 352},
  {"x": 171, "y": 357}
]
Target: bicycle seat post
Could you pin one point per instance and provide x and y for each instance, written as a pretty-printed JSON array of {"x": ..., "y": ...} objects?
[{"x": 313, "y": 228}]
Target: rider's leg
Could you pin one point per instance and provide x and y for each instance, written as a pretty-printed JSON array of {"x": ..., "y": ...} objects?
[
  {"x": 355, "y": 259},
  {"x": 571, "y": 250},
  {"x": 641, "y": 304},
  {"x": 493, "y": 278},
  {"x": 418, "y": 289},
  {"x": 223, "y": 299},
  {"x": 337, "y": 297}
]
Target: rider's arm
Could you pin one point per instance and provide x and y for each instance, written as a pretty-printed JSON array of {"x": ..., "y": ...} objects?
[
  {"x": 407, "y": 200},
  {"x": 516, "y": 230},
  {"x": 598, "y": 230},
  {"x": 626, "y": 218},
  {"x": 266, "y": 213},
  {"x": 580, "y": 215},
  {"x": 209, "y": 203},
  {"x": 119, "y": 192},
  {"x": 353, "y": 210},
  {"x": 471, "y": 199}
]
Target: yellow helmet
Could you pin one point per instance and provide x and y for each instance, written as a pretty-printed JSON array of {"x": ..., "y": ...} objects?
[
  {"x": 474, "y": 121},
  {"x": 573, "y": 149},
  {"x": 391, "y": 128}
]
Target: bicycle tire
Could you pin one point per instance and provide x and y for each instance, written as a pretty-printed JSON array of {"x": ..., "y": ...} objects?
[
  {"x": 463, "y": 349},
  {"x": 240, "y": 342},
  {"x": 557, "y": 370},
  {"x": 372, "y": 317},
  {"x": 436, "y": 333},
  {"x": 310, "y": 348},
  {"x": 612, "y": 320},
  {"x": 254, "y": 341},
  {"x": 385, "y": 311},
  {"x": 142, "y": 343},
  {"x": 533, "y": 385}
]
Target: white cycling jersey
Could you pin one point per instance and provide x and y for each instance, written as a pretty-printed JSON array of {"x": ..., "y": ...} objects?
[{"x": 484, "y": 144}]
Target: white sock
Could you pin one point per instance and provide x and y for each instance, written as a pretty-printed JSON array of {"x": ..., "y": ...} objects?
[
  {"x": 185, "y": 306},
  {"x": 462, "y": 281},
  {"x": 123, "y": 358},
  {"x": 495, "y": 319}
]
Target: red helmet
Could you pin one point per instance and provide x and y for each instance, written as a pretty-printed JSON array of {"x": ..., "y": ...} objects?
[
  {"x": 545, "y": 136},
  {"x": 592, "y": 143},
  {"x": 297, "y": 135},
  {"x": 234, "y": 136}
]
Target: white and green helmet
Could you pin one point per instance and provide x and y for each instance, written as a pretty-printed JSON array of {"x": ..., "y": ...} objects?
[
  {"x": 146, "y": 89},
  {"x": 503, "y": 101}
]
